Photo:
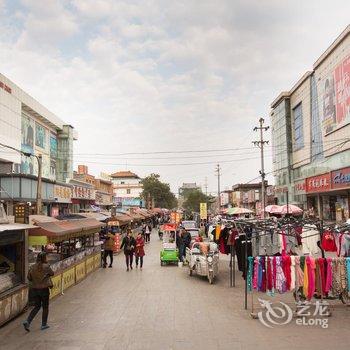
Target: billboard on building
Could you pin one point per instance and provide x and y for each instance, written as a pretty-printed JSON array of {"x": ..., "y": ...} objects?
[
  {"x": 27, "y": 131},
  {"x": 40, "y": 136},
  {"x": 336, "y": 97}
]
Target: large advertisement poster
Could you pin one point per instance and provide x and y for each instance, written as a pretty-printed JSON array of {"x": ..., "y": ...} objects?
[
  {"x": 27, "y": 145},
  {"x": 40, "y": 136},
  {"x": 27, "y": 131},
  {"x": 336, "y": 98}
]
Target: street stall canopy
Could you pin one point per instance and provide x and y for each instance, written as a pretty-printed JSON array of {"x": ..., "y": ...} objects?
[
  {"x": 58, "y": 231},
  {"x": 97, "y": 216},
  {"x": 34, "y": 219},
  {"x": 238, "y": 211}
]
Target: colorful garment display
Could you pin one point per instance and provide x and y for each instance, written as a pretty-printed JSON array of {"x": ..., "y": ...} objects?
[{"x": 280, "y": 274}]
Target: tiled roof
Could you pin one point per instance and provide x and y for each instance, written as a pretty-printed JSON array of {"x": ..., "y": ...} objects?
[{"x": 122, "y": 174}]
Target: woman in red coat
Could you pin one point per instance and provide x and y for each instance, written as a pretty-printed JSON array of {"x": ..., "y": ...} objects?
[{"x": 139, "y": 251}]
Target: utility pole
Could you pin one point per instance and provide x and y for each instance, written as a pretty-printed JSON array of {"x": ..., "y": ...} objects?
[
  {"x": 218, "y": 174},
  {"x": 261, "y": 144}
]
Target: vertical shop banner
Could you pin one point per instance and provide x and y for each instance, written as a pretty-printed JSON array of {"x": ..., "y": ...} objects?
[
  {"x": 336, "y": 98},
  {"x": 203, "y": 211}
]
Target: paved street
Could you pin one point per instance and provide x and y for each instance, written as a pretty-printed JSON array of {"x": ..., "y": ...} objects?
[{"x": 163, "y": 308}]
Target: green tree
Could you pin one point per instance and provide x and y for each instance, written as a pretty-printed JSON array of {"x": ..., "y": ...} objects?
[
  {"x": 158, "y": 191},
  {"x": 193, "y": 199}
]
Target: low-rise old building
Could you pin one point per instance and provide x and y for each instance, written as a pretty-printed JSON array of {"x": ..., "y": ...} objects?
[{"x": 127, "y": 189}]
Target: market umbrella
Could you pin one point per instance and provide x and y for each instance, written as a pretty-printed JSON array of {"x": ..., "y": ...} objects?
[
  {"x": 290, "y": 209},
  {"x": 273, "y": 209},
  {"x": 238, "y": 211}
]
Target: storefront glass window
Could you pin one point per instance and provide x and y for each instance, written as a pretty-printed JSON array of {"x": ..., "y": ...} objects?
[{"x": 298, "y": 127}]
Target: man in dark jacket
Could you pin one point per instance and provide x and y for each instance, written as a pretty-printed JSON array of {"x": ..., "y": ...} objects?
[
  {"x": 39, "y": 276},
  {"x": 180, "y": 244},
  {"x": 108, "y": 249},
  {"x": 129, "y": 245}
]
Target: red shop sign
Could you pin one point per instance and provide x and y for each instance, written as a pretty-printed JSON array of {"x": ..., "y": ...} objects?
[
  {"x": 299, "y": 187},
  {"x": 341, "y": 178},
  {"x": 318, "y": 183}
]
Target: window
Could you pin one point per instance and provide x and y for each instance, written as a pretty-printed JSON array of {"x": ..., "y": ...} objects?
[
  {"x": 128, "y": 191},
  {"x": 122, "y": 182},
  {"x": 298, "y": 127}
]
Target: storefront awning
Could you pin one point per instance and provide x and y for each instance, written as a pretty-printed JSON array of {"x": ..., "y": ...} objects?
[{"x": 58, "y": 231}]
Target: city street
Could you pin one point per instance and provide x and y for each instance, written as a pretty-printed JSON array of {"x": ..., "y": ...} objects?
[{"x": 163, "y": 308}]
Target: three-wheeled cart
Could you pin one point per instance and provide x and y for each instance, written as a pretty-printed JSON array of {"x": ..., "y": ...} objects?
[
  {"x": 203, "y": 259},
  {"x": 169, "y": 253}
]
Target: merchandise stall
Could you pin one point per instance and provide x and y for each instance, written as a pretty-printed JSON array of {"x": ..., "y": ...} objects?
[
  {"x": 73, "y": 249},
  {"x": 13, "y": 270}
]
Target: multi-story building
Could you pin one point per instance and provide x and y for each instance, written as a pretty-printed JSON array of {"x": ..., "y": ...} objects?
[
  {"x": 249, "y": 196},
  {"x": 29, "y": 127},
  {"x": 311, "y": 135},
  {"x": 127, "y": 188}
]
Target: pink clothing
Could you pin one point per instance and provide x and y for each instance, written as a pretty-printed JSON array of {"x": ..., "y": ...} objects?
[
  {"x": 311, "y": 277},
  {"x": 329, "y": 276}
]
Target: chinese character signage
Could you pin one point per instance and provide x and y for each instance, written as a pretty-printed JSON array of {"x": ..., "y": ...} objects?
[
  {"x": 81, "y": 192},
  {"x": 341, "y": 178},
  {"x": 203, "y": 211},
  {"x": 320, "y": 183},
  {"x": 62, "y": 194},
  {"x": 299, "y": 187}
]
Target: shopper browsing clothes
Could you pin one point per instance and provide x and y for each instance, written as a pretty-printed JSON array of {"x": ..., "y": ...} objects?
[
  {"x": 108, "y": 249},
  {"x": 139, "y": 251},
  {"x": 39, "y": 276},
  {"x": 128, "y": 244}
]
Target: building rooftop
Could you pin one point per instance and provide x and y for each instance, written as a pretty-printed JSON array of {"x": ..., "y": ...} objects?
[{"x": 124, "y": 174}]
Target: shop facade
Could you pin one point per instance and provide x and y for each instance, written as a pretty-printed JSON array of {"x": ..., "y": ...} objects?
[
  {"x": 83, "y": 195},
  {"x": 328, "y": 195},
  {"x": 13, "y": 268}
]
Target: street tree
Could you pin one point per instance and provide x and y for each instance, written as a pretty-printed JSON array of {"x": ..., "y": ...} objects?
[
  {"x": 193, "y": 198},
  {"x": 154, "y": 188}
]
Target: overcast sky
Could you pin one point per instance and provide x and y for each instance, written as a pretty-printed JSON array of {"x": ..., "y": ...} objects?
[{"x": 154, "y": 76}]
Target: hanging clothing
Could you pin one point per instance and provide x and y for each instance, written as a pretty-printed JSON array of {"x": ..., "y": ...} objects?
[
  {"x": 329, "y": 275},
  {"x": 328, "y": 242},
  {"x": 280, "y": 277},
  {"x": 310, "y": 237}
]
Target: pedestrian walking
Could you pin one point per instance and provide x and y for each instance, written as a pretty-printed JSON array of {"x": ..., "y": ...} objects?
[
  {"x": 108, "y": 249},
  {"x": 39, "y": 276},
  {"x": 128, "y": 244},
  {"x": 148, "y": 230},
  {"x": 180, "y": 244},
  {"x": 139, "y": 250}
]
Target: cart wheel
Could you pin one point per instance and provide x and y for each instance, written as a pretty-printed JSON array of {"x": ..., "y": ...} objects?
[
  {"x": 161, "y": 263},
  {"x": 210, "y": 278},
  {"x": 344, "y": 297},
  {"x": 190, "y": 271}
]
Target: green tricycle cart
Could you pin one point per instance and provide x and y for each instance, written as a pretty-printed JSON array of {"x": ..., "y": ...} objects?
[{"x": 169, "y": 253}]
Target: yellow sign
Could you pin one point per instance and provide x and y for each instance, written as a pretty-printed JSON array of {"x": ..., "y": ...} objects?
[
  {"x": 217, "y": 232},
  {"x": 37, "y": 240},
  {"x": 90, "y": 264},
  {"x": 97, "y": 261},
  {"x": 203, "y": 211},
  {"x": 68, "y": 278},
  {"x": 80, "y": 271},
  {"x": 57, "y": 286}
]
